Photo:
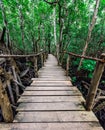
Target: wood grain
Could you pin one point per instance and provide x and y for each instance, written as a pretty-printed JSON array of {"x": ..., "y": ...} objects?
[
  {"x": 52, "y": 88},
  {"x": 58, "y": 93},
  {"x": 52, "y": 103},
  {"x": 57, "y": 106},
  {"x": 45, "y": 99},
  {"x": 53, "y": 116},
  {"x": 52, "y": 126}
]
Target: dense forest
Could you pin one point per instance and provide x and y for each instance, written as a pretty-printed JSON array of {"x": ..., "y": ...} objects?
[{"x": 33, "y": 26}]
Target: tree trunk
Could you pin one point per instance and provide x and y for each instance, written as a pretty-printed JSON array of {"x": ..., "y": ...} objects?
[
  {"x": 55, "y": 36},
  {"x": 90, "y": 31},
  {"x": 21, "y": 23},
  {"x": 6, "y": 27}
]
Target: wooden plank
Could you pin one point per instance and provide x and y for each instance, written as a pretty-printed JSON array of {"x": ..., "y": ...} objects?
[
  {"x": 65, "y": 106},
  {"x": 51, "y": 79},
  {"x": 64, "y": 93},
  {"x": 51, "y": 88},
  {"x": 48, "y": 112},
  {"x": 52, "y": 76},
  {"x": 52, "y": 70},
  {"x": 55, "y": 116},
  {"x": 63, "y": 82},
  {"x": 51, "y": 99},
  {"x": 50, "y": 85},
  {"x": 52, "y": 126},
  {"x": 51, "y": 82},
  {"x": 52, "y": 67}
]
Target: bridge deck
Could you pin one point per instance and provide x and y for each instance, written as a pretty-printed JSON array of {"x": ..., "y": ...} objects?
[{"x": 52, "y": 103}]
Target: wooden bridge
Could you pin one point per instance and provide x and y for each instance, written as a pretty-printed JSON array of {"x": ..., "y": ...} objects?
[{"x": 52, "y": 103}]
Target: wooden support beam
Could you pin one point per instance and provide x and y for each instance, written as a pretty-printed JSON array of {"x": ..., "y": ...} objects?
[
  {"x": 67, "y": 65},
  {"x": 10, "y": 92},
  {"x": 15, "y": 78},
  {"x": 45, "y": 57},
  {"x": 5, "y": 104},
  {"x": 35, "y": 67},
  {"x": 94, "y": 83},
  {"x": 42, "y": 60}
]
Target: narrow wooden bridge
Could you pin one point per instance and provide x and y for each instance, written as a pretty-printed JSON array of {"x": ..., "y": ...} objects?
[{"x": 52, "y": 103}]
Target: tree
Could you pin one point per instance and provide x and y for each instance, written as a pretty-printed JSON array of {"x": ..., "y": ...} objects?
[{"x": 90, "y": 31}]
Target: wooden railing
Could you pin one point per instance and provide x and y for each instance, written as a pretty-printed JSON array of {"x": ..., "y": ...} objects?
[
  {"x": 96, "y": 76},
  {"x": 4, "y": 100}
]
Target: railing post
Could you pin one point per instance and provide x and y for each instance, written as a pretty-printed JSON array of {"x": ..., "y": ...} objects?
[
  {"x": 35, "y": 67},
  {"x": 45, "y": 57},
  {"x": 94, "y": 83},
  {"x": 67, "y": 65},
  {"x": 5, "y": 104},
  {"x": 15, "y": 78},
  {"x": 42, "y": 60}
]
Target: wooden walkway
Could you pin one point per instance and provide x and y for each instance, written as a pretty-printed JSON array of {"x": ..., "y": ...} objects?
[{"x": 52, "y": 103}]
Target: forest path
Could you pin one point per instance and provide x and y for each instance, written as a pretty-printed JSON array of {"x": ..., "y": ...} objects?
[{"x": 52, "y": 103}]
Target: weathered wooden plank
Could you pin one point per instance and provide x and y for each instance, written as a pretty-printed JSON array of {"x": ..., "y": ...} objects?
[
  {"x": 52, "y": 76},
  {"x": 63, "y": 82},
  {"x": 51, "y": 99},
  {"x": 57, "y": 106},
  {"x": 48, "y": 112},
  {"x": 50, "y": 85},
  {"x": 51, "y": 79},
  {"x": 51, "y": 82},
  {"x": 55, "y": 116},
  {"x": 65, "y": 93},
  {"x": 51, "y": 88},
  {"x": 52, "y": 126},
  {"x": 51, "y": 69}
]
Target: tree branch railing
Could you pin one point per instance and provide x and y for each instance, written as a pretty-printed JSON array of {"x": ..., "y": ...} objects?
[
  {"x": 85, "y": 57},
  {"x": 96, "y": 76},
  {"x": 21, "y": 56},
  {"x": 5, "y": 104}
]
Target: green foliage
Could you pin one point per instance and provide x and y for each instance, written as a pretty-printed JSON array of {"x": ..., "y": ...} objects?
[
  {"x": 29, "y": 64},
  {"x": 74, "y": 79},
  {"x": 75, "y": 62},
  {"x": 88, "y": 65},
  {"x": 38, "y": 23}
]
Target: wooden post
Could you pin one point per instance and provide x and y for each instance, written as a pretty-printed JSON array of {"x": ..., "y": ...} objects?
[
  {"x": 45, "y": 57},
  {"x": 10, "y": 92},
  {"x": 5, "y": 104},
  {"x": 94, "y": 83},
  {"x": 67, "y": 65},
  {"x": 35, "y": 67},
  {"x": 15, "y": 78},
  {"x": 42, "y": 60}
]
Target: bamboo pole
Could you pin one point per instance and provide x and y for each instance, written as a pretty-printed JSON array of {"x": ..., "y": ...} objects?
[{"x": 94, "y": 83}]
